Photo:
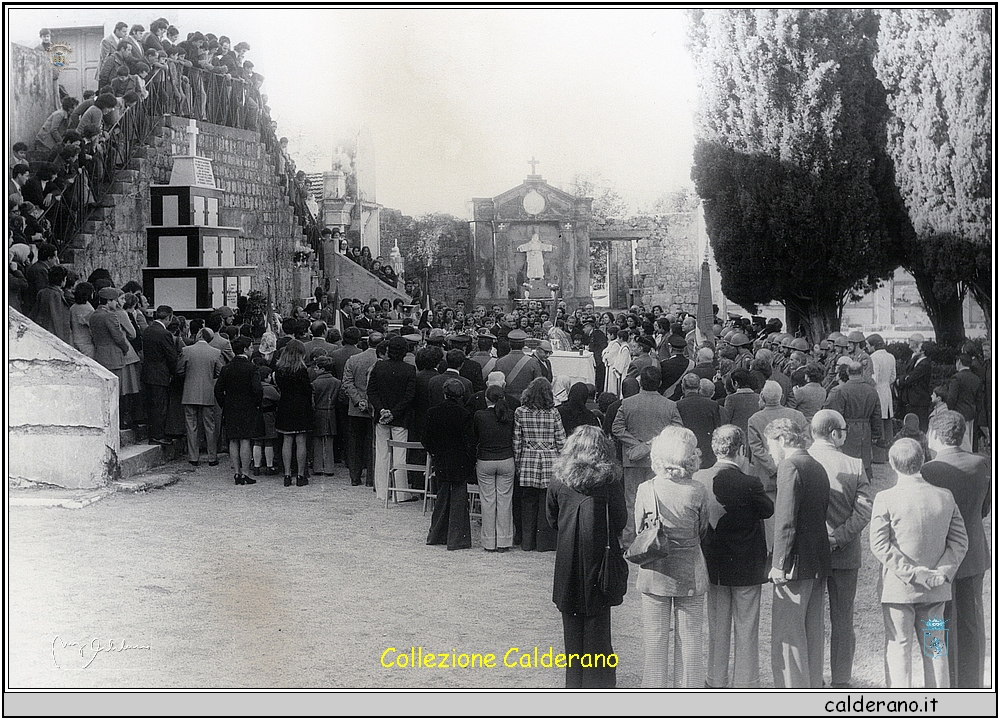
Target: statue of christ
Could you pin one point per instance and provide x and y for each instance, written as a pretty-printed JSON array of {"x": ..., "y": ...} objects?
[{"x": 536, "y": 262}]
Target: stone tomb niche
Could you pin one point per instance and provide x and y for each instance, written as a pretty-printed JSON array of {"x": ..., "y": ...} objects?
[
  {"x": 193, "y": 264},
  {"x": 530, "y": 238}
]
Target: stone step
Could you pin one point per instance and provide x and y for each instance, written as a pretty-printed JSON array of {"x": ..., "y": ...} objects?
[
  {"x": 82, "y": 240},
  {"x": 137, "y": 459},
  {"x": 92, "y": 226},
  {"x": 131, "y": 436},
  {"x": 118, "y": 187}
]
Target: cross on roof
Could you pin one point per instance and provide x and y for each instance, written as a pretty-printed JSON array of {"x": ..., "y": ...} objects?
[{"x": 532, "y": 162}]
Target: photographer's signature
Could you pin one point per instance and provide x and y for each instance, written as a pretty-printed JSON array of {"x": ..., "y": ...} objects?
[{"x": 89, "y": 648}]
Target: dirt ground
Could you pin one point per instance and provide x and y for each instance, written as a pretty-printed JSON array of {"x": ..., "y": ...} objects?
[{"x": 204, "y": 584}]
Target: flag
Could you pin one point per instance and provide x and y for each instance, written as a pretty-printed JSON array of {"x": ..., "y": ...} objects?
[
  {"x": 337, "y": 321},
  {"x": 705, "y": 318}
]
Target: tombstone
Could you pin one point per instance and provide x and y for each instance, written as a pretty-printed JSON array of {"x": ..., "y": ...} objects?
[
  {"x": 192, "y": 262},
  {"x": 529, "y": 242}
]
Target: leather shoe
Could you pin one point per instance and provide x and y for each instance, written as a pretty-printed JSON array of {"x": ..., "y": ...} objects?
[
  {"x": 301, "y": 481},
  {"x": 239, "y": 479},
  {"x": 213, "y": 463},
  {"x": 247, "y": 480},
  {"x": 193, "y": 462},
  {"x": 288, "y": 480}
]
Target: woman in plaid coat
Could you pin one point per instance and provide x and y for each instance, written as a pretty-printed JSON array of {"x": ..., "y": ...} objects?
[{"x": 538, "y": 439}]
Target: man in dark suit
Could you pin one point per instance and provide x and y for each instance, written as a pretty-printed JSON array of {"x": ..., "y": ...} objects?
[
  {"x": 914, "y": 385},
  {"x": 37, "y": 274},
  {"x": 674, "y": 368},
  {"x": 338, "y": 358},
  {"x": 392, "y": 386},
  {"x": 435, "y": 385},
  {"x": 542, "y": 353},
  {"x": 848, "y": 513},
  {"x": 857, "y": 401},
  {"x": 801, "y": 558},
  {"x": 470, "y": 369},
  {"x": 596, "y": 342},
  {"x": 700, "y": 415},
  {"x": 317, "y": 345},
  {"x": 640, "y": 419},
  {"x": 643, "y": 360},
  {"x": 736, "y": 558},
  {"x": 967, "y": 476},
  {"x": 962, "y": 395},
  {"x": 159, "y": 363}
]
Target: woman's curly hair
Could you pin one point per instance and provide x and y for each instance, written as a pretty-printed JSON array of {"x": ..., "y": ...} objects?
[
  {"x": 587, "y": 459},
  {"x": 538, "y": 395}
]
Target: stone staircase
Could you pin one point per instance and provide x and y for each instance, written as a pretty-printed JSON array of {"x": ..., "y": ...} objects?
[{"x": 137, "y": 457}]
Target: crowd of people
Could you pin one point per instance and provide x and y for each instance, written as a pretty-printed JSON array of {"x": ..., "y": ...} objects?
[{"x": 751, "y": 449}]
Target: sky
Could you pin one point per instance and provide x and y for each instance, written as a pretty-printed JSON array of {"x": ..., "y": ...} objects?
[{"x": 451, "y": 104}]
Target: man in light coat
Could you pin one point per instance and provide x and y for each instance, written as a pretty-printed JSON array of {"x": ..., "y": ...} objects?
[
  {"x": 849, "y": 511},
  {"x": 918, "y": 535},
  {"x": 883, "y": 375},
  {"x": 967, "y": 477},
  {"x": 360, "y": 448},
  {"x": 200, "y": 365},
  {"x": 639, "y": 420}
]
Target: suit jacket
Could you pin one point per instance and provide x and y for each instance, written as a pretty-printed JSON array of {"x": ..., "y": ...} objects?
[
  {"x": 448, "y": 437},
  {"x": 850, "y": 506},
  {"x": 915, "y": 384},
  {"x": 642, "y": 361},
  {"x": 340, "y": 356},
  {"x": 159, "y": 355},
  {"x": 392, "y": 386},
  {"x": 200, "y": 364},
  {"x": 858, "y": 402},
  {"x": 473, "y": 372},
  {"x": 640, "y": 419},
  {"x": 967, "y": 476},
  {"x": 356, "y": 371},
  {"x": 528, "y": 372},
  {"x": 915, "y": 524},
  {"x": 671, "y": 371},
  {"x": 435, "y": 387},
  {"x": 761, "y": 463},
  {"x": 110, "y": 343},
  {"x": 736, "y": 546},
  {"x": 963, "y": 393},
  {"x": 546, "y": 368},
  {"x": 225, "y": 346},
  {"x": 701, "y": 415},
  {"x": 421, "y": 400},
  {"x": 801, "y": 546}
]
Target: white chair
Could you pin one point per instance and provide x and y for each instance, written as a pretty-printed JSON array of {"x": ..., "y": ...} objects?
[{"x": 396, "y": 485}]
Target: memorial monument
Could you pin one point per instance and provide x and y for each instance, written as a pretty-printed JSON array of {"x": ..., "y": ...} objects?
[{"x": 530, "y": 242}]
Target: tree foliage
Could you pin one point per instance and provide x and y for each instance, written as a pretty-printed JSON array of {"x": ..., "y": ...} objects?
[
  {"x": 936, "y": 66},
  {"x": 608, "y": 202},
  {"x": 790, "y": 160}
]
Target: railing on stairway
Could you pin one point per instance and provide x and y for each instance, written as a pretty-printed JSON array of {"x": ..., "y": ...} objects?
[{"x": 208, "y": 96}]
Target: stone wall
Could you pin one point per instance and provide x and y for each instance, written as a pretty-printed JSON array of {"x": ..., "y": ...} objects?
[
  {"x": 667, "y": 261},
  {"x": 255, "y": 202},
  {"x": 31, "y": 83},
  {"x": 63, "y": 423},
  {"x": 448, "y": 274}
]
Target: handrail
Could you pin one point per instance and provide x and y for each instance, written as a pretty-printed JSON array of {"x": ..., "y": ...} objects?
[{"x": 212, "y": 97}]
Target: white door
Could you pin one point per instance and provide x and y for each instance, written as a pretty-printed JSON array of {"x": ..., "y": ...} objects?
[{"x": 83, "y": 60}]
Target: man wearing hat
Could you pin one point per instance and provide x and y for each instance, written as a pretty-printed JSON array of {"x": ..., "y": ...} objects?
[
  {"x": 412, "y": 340},
  {"x": 914, "y": 385},
  {"x": 359, "y": 416},
  {"x": 840, "y": 350},
  {"x": 200, "y": 364},
  {"x": 674, "y": 368},
  {"x": 642, "y": 347},
  {"x": 470, "y": 369},
  {"x": 391, "y": 390},
  {"x": 856, "y": 349},
  {"x": 542, "y": 353},
  {"x": 857, "y": 401},
  {"x": 744, "y": 358},
  {"x": 159, "y": 363},
  {"x": 518, "y": 368},
  {"x": 484, "y": 354}
]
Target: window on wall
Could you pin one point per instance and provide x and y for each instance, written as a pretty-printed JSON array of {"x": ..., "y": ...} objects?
[{"x": 227, "y": 289}]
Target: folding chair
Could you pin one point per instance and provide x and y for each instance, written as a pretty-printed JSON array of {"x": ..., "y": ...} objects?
[
  {"x": 475, "y": 502},
  {"x": 395, "y": 486}
]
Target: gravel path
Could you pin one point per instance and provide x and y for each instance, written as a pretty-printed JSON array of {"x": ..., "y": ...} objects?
[{"x": 210, "y": 585}]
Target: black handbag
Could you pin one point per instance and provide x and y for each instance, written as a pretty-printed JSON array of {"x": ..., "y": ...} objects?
[
  {"x": 612, "y": 577},
  {"x": 652, "y": 542}
]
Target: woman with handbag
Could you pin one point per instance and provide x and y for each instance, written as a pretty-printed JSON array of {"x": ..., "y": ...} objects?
[
  {"x": 585, "y": 504},
  {"x": 673, "y": 587}
]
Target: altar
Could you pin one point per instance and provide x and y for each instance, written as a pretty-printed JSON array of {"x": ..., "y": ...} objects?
[{"x": 574, "y": 365}]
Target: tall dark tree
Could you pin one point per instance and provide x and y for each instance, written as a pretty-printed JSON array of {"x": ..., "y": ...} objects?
[
  {"x": 790, "y": 160},
  {"x": 936, "y": 66}
]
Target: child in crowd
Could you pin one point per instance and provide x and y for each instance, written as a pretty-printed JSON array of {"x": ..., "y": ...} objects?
[
  {"x": 326, "y": 391},
  {"x": 263, "y": 447},
  {"x": 938, "y": 405},
  {"x": 911, "y": 429}
]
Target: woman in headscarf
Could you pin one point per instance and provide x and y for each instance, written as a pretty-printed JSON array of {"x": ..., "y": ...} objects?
[
  {"x": 574, "y": 412},
  {"x": 560, "y": 389},
  {"x": 538, "y": 439},
  {"x": 585, "y": 503}
]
